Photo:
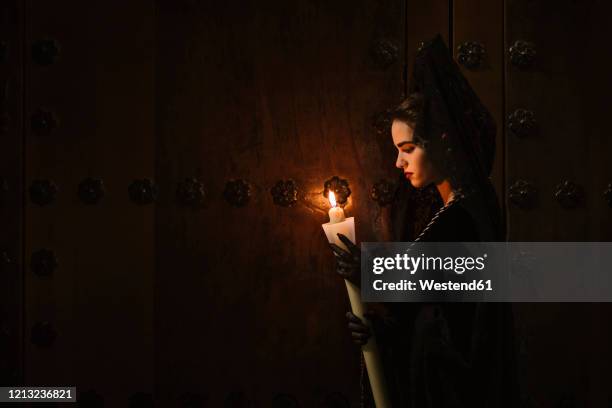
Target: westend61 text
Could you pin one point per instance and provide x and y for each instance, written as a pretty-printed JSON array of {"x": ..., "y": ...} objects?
[{"x": 432, "y": 285}]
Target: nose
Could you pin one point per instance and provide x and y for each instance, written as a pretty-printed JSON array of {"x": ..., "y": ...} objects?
[{"x": 400, "y": 162}]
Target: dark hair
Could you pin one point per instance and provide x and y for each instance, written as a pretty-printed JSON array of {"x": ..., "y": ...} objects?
[{"x": 410, "y": 110}]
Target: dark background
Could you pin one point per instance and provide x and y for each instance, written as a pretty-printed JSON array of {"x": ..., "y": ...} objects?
[{"x": 184, "y": 297}]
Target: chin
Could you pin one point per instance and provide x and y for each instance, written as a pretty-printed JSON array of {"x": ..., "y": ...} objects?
[{"x": 416, "y": 184}]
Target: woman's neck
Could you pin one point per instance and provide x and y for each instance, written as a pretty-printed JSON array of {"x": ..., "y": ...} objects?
[{"x": 445, "y": 190}]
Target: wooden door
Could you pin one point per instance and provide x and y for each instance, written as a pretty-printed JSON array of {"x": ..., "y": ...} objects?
[
  {"x": 88, "y": 250},
  {"x": 542, "y": 75},
  {"x": 557, "y": 156},
  {"x": 254, "y": 95},
  {"x": 201, "y": 274}
]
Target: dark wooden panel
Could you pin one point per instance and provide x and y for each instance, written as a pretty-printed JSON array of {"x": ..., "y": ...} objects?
[
  {"x": 596, "y": 64},
  {"x": 563, "y": 88},
  {"x": 11, "y": 175},
  {"x": 100, "y": 298},
  {"x": 247, "y": 299},
  {"x": 482, "y": 21},
  {"x": 562, "y": 357},
  {"x": 424, "y": 20}
]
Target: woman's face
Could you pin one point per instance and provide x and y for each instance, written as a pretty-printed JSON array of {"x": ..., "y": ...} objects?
[{"x": 411, "y": 158}]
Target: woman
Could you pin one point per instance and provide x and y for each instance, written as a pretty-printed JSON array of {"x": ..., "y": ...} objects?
[{"x": 446, "y": 354}]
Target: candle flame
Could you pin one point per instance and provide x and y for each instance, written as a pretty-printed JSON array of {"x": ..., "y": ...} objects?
[{"x": 332, "y": 199}]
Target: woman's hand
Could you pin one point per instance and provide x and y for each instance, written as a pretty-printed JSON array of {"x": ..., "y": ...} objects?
[
  {"x": 348, "y": 263},
  {"x": 385, "y": 326},
  {"x": 360, "y": 333}
]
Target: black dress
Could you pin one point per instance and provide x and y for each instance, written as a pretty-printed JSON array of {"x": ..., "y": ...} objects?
[{"x": 451, "y": 354}]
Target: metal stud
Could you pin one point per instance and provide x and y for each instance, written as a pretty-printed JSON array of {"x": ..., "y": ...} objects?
[
  {"x": 43, "y": 122},
  {"x": 236, "y": 399},
  {"x": 569, "y": 194},
  {"x": 527, "y": 401},
  {"x": 381, "y": 122},
  {"x": 522, "y": 123},
  {"x": 237, "y": 192},
  {"x": 340, "y": 187},
  {"x": 471, "y": 54},
  {"x": 566, "y": 400},
  {"x": 192, "y": 400},
  {"x": 523, "y": 263},
  {"x": 43, "y": 192},
  {"x": 608, "y": 194},
  {"x": 284, "y": 401},
  {"x": 143, "y": 191},
  {"x": 522, "y": 54},
  {"x": 382, "y": 192},
  {"x": 335, "y": 400},
  {"x": 384, "y": 53},
  {"x": 43, "y": 334},
  {"x": 44, "y": 262},
  {"x": 45, "y": 52},
  {"x": 523, "y": 194},
  {"x": 422, "y": 46},
  {"x": 190, "y": 193},
  {"x": 91, "y": 191},
  {"x": 5, "y": 261},
  {"x": 90, "y": 399},
  {"x": 141, "y": 400},
  {"x": 284, "y": 193}
]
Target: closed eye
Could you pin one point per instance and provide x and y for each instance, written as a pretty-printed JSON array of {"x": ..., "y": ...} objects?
[{"x": 406, "y": 146}]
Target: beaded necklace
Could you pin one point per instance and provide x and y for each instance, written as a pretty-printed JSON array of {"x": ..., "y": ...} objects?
[{"x": 456, "y": 195}]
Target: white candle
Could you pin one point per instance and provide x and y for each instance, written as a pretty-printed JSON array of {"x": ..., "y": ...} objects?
[
  {"x": 338, "y": 223},
  {"x": 336, "y": 214}
]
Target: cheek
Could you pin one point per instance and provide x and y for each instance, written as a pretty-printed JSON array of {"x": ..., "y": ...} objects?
[
  {"x": 422, "y": 165},
  {"x": 417, "y": 160},
  {"x": 427, "y": 169}
]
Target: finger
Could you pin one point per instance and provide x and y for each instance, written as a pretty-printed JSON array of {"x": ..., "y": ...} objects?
[
  {"x": 353, "y": 249},
  {"x": 352, "y": 318},
  {"x": 339, "y": 251},
  {"x": 348, "y": 265},
  {"x": 346, "y": 241},
  {"x": 358, "y": 328},
  {"x": 344, "y": 268},
  {"x": 360, "y": 338}
]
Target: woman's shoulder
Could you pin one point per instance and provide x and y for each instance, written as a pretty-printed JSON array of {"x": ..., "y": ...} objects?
[
  {"x": 454, "y": 224},
  {"x": 473, "y": 216}
]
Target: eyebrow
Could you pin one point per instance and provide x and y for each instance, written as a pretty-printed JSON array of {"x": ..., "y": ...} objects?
[{"x": 400, "y": 144}]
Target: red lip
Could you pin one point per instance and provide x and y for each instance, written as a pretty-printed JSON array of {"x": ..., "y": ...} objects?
[{"x": 408, "y": 174}]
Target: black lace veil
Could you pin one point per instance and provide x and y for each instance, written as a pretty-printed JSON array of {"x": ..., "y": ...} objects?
[
  {"x": 455, "y": 122},
  {"x": 456, "y": 128}
]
